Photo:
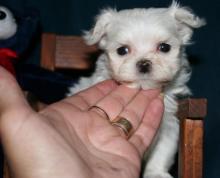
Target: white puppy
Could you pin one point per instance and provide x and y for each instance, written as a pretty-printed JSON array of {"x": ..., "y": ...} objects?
[{"x": 144, "y": 48}]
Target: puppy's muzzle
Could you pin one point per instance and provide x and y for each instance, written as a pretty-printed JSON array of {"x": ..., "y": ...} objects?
[{"x": 144, "y": 66}]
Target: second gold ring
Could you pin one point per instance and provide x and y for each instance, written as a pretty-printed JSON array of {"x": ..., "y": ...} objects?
[{"x": 123, "y": 124}]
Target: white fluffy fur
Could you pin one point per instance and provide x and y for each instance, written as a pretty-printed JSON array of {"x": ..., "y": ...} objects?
[
  {"x": 8, "y": 26},
  {"x": 142, "y": 30}
]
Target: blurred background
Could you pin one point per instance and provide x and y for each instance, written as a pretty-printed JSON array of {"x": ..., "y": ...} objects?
[{"x": 70, "y": 17}]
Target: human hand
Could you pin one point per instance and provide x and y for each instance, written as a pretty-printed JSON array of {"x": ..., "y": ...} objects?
[{"x": 67, "y": 139}]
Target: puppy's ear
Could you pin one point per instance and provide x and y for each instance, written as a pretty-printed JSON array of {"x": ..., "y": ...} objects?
[
  {"x": 97, "y": 33},
  {"x": 186, "y": 21}
]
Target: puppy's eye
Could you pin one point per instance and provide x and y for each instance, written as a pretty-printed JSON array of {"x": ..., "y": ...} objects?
[
  {"x": 2, "y": 15},
  {"x": 164, "y": 47},
  {"x": 123, "y": 50}
]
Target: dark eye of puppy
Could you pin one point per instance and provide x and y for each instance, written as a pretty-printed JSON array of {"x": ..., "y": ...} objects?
[
  {"x": 2, "y": 15},
  {"x": 123, "y": 50},
  {"x": 164, "y": 47}
]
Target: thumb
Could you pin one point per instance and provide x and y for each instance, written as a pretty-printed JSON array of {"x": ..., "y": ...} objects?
[
  {"x": 11, "y": 95},
  {"x": 14, "y": 110}
]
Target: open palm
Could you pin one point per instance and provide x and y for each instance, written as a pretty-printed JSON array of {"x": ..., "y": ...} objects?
[{"x": 67, "y": 139}]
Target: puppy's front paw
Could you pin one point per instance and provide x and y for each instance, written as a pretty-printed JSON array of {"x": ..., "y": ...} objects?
[{"x": 155, "y": 174}]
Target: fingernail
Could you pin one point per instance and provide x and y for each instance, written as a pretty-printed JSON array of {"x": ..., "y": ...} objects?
[{"x": 161, "y": 95}]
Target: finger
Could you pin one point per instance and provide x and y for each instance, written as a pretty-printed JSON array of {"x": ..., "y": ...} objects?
[
  {"x": 135, "y": 110},
  {"x": 14, "y": 108},
  {"x": 115, "y": 101},
  {"x": 144, "y": 135},
  {"x": 86, "y": 98}
]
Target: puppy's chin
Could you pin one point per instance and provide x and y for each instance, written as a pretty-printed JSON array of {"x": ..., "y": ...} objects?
[{"x": 145, "y": 84}]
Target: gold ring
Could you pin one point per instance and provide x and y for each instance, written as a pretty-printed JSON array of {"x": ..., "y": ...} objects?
[
  {"x": 100, "y": 110},
  {"x": 123, "y": 124}
]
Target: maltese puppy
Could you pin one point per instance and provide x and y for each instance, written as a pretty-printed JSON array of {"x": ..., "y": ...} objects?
[{"x": 144, "y": 48}]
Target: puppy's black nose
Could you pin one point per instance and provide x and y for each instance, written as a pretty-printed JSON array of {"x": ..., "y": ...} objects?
[{"x": 144, "y": 66}]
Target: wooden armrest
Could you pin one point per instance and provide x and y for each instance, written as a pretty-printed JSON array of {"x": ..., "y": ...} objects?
[{"x": 194, "y": 109}]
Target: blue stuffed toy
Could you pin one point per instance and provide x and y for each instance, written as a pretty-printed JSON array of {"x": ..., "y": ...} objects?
[
  {"x": 8, "y": 28},
  {"x": 16, "y": 32}
]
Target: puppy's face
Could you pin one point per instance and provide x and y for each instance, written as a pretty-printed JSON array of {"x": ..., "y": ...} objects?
[
  {"x": 142, "y": 50},
  {"x": 143, "y": 46}
]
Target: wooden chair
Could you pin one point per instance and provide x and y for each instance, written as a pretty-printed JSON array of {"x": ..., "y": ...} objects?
[{"x": 70, "y": 52}]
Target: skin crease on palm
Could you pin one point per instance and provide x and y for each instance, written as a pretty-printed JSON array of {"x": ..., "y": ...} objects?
[{"x": 66, "y": 139}]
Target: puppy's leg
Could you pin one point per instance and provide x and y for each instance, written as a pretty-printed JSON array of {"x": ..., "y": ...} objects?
[
  {"x": 101, "y": 73},
  {"x": 86, "y": 82},
  {"x": 162, "y": 153}
]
